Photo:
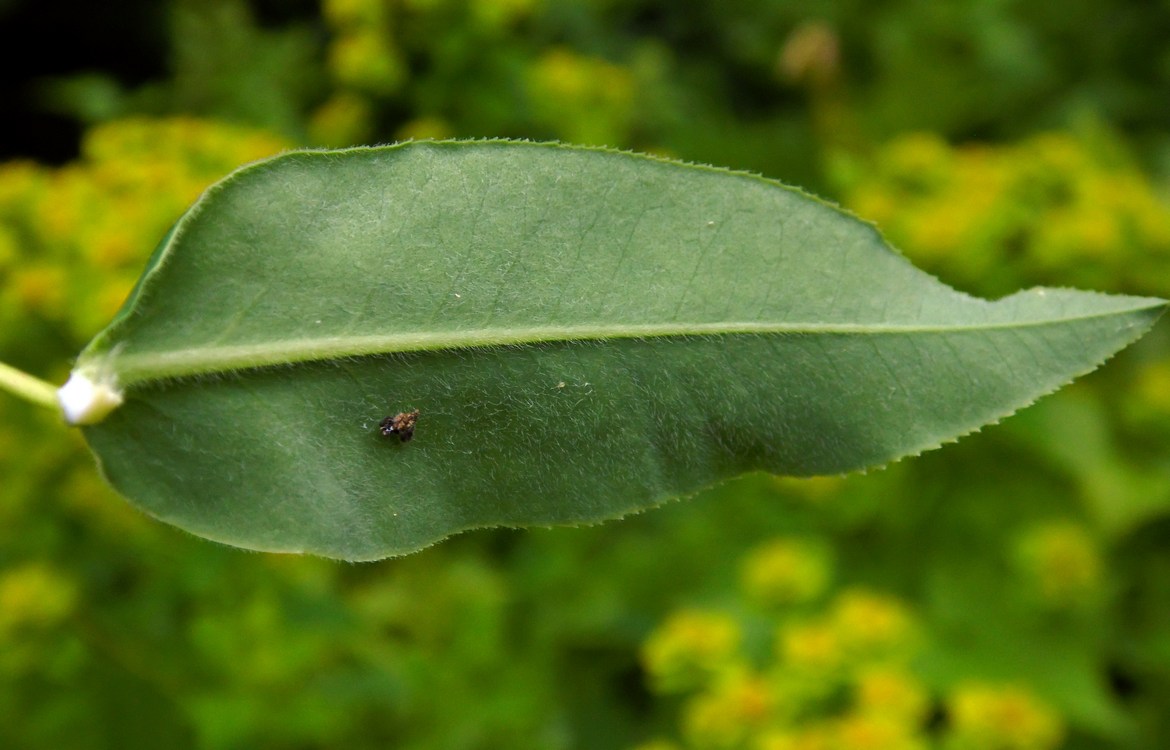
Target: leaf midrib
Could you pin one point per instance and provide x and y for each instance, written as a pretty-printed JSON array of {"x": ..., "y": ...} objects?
[{"x": 132, "y": 369}]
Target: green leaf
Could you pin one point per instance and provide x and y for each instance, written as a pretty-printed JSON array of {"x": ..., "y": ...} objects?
[{"x": 585, "y": 334}]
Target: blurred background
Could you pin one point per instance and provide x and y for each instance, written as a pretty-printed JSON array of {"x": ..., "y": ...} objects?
[{"x": 1009, "y": 592}]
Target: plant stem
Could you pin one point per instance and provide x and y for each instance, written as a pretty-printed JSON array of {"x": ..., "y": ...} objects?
[{"x": 27, "y": 387}]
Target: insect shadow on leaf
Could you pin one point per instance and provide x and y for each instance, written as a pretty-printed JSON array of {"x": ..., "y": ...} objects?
[{"x": 401, "y": 424}]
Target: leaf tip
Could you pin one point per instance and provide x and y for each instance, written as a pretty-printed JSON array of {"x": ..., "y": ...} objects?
[{"x": 86, "y": 401}]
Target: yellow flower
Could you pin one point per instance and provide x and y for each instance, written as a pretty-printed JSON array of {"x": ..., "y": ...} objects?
[
  {"x": 367, "y": 61},
  {"x": 1056, "y": 152},
  {"x": 817, "y": 736},
  {"x": 40, "y": 289},
  {"x": 583, "y": 99},
  {"x": 920, "y": 161},
  {"x": 785, "y": 571},
  {"x": 689, "y": 648},
  {"x": 892, "y": 693},
  {"x": 1062, "y": 561},
  {"x": 811, "y": 648},
  {"x": 20, "y": 183},
  {"x": 34, "y": 596},
  {"x": 937, "y": 232},
  {"x": 875, "y": 732},
  {"x": 1004, "y": 718},
  {"x": 344, "y": 120},
  {"x": 871, "y": 625},
  {"x": 728, "y": 714},
  {"x": 876, "y": 203},
  {"x": 350, "y": 14}
]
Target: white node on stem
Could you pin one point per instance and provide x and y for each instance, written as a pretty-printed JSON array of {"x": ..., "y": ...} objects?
[{"x": 87, "y": 402}]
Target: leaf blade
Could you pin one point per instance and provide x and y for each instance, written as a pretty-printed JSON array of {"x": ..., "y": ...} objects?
[{"x": 566, "y": 371}]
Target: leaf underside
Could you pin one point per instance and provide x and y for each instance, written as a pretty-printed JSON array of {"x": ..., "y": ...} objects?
[{"x": 585, "y": 334}]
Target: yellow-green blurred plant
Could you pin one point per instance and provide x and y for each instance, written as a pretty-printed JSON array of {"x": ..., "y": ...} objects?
[
  {"x": 690, "y": 648},
  {"x": 787, "y": 571},
  {"x": 33, "y": 597},
  {"x": 582, "y": 99},
  {"x": 1004, "y": 718},
  {"x": 466, "y": 67},
  {"x": 72, "y": 242},
  {"x": 74, "y": 239},
  {"x": 1053, "y": 205},
  {"x": 36, "y": 602},
  {"x": 841, "y": 676},
  {"x": 1061, "y": 564}
]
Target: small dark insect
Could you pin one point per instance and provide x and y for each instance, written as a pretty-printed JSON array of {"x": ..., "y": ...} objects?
[{"x": 401, "y": 424}]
